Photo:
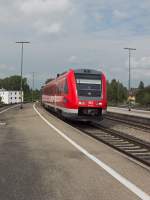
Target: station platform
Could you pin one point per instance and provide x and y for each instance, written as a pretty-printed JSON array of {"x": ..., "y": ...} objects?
[
  {"x": 133, "y": 112},
  {"x": 43, "y": 157}
]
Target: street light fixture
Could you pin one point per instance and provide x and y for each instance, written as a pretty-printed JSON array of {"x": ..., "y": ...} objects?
[
  {"x": 21, "y": 89},
  {"x": 129, "y": 86},
  {"x": 33, "y": 87}
]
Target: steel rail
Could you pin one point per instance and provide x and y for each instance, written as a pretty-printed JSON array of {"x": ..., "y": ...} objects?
[
  {"x": 138, "y": 125},
  {"x": 129, "y": 145}
]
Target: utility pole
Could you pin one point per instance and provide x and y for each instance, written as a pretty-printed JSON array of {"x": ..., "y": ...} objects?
[
  {"x": 33, "y": 87},
  {"x": 129, "y": 82},
  {"x": 21, "y": 89},
  {"x": 118, "y": 93}
]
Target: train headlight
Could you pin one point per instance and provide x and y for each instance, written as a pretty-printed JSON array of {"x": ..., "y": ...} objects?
[
  {"x": 81, "y": 103},
  {"x": 99, "y": 103}
]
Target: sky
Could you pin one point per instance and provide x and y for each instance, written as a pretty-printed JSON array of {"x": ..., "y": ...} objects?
[{"x": 68, "y": 34}]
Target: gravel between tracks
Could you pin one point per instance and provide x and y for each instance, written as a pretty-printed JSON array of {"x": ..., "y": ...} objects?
[{"x": 128, "y": 129}]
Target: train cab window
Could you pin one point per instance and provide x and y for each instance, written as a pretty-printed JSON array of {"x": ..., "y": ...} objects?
[
  {"x": 89, "y": 87},
  {"x": 66, "y": 87}
]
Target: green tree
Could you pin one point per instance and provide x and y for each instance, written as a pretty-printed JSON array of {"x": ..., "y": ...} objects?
[
  {"x": 146, "y": 99},
  {"x": 141, "y": 85},
  {"x": 1, "y": 80},
  {"x": 13, "y": 83},
  {"x": 143, "y": 96},
  {"x": 116, "y": 92}
]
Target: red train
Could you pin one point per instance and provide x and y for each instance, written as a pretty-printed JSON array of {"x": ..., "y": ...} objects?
[{"x": 78, "y": 94}]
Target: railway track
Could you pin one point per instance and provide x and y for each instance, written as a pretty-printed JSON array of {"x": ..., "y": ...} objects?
[
  {"x": 138, "y": 125},
  {"x": 129, "y": 145},
  {"x": 2, "y": 108}
]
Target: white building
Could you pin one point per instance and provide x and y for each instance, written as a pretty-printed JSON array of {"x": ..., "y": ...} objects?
[{"x": 10, "y": 97}]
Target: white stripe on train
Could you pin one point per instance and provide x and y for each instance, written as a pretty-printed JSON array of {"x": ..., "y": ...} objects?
[{"x": 67, "y": 110}]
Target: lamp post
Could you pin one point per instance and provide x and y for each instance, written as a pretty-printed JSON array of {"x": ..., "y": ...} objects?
[
  {"x": 118, "y": 93},
  {"x": 33, "y": 87},
  {"x": 21, "y": 89},
  {"x": 129, "y": 83}
]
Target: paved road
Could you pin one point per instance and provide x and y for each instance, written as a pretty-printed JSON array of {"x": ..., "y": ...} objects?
[{"x": 38, "y": 164}]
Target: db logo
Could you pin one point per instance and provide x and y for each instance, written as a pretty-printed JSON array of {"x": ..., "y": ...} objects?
[{"x": 90, "y": 102}]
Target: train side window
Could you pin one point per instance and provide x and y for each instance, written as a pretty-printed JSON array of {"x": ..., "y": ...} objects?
[
  {"x": 57, "y": 89},
  {"x": 66, "y": 87},
  {"x": 52, "y": 90},
  {"x": 62, "y": 89},
  {"x": 49, "y": 91}
]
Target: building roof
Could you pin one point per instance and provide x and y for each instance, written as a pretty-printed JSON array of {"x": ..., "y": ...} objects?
[{"x": 2, "y": 89}]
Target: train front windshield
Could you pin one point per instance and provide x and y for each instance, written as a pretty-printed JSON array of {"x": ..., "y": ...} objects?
[{"x": 89, "y": 87}]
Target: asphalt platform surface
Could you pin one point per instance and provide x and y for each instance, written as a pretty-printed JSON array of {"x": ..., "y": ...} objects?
[{"x": 36, "y": 163}]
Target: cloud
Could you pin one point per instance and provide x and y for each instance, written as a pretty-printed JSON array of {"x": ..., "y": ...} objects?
[
  {"x": 43, "y": 6},
  {"x": 34, "y": 17},
  {"x": 6, "y": 67},
  {"x": 47, "y": 15},
  {"x": 52, "y": 28},
  {"x": 118, "y": 15},
  {"x": 3, "y": 66},
  {"x": 140, "y": 70},
  {"x": 73, "y": 59},
  {"x": 74, "y": 32},
  {"x": 142, "y": 63},
  {"x": 99, "y": 17}
]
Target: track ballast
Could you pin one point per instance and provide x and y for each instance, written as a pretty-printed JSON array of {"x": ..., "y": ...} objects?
[
  {"x": 129, "y": 145},
  {"x": 138, "y": 125}
]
